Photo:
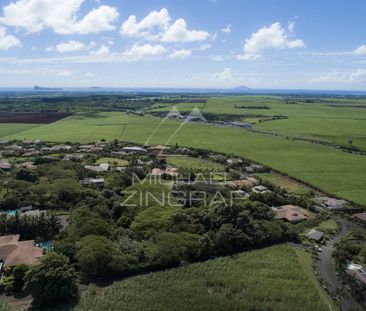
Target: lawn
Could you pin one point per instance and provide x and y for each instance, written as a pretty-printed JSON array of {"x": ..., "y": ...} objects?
[
  {"x": 332, "y": 171},
  {"x": 328, "y": 226},
  {"x": 12, "y": 128},
  {"x": 275, "y": 278},
  {"x": 285, "y": 182},
  {"x": 184, "y": 162},
  {"x": 112, "y": 161}
]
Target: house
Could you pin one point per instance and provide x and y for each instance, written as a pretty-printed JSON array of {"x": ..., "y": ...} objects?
[
  {"x": 5, "y": 166},
  {"x": 103, "y": 167},
  {"x": 260, "y": 189},
  {"x": 134, "y": 149},
  {"x": 13, "y": 252},
  {"x": 290, "y": 213},
  {"x": 97, "y": 182},
  {"x": 315, "y": 235}
]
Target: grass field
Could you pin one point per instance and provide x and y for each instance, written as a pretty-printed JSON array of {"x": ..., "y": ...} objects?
[
  {"x": 193, "y": 163},
  {"x": 333, "y": 171},
  {"x": 12, "y": 128},
  {"x": 276, "y": 278}
]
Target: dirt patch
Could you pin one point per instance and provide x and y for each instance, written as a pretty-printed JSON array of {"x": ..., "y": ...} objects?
[{"x": 32, "y": 117}]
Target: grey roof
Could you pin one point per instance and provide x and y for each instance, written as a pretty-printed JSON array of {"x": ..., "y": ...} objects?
[
  {"x": 361, "y": 216},
  {"x": 315, "y": 235}
]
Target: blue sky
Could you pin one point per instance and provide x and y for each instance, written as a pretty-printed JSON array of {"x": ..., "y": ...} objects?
[{"x": 298, "y": 44}]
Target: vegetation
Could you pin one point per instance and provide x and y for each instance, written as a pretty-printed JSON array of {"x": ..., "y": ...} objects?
[
  {"x": 53, "y": 281},
  {"x": 242, "y": 282},
  {"x": 328, "y": 169}
]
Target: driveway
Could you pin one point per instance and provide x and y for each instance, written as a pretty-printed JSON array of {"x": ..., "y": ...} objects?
[{"x": 326, "y": 265}]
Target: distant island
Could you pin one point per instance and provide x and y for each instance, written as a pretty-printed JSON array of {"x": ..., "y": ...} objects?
[{"x": 40, "y": 88}]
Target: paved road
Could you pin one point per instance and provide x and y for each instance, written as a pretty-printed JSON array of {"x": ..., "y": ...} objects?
[{"x": 326, "y": 265}]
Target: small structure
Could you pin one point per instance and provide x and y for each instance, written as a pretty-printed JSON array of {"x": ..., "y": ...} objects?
[
  {"x": 290, "y": 213},
  {"x": 315, "y": 235},
  {"x": 13, "y": 252}
]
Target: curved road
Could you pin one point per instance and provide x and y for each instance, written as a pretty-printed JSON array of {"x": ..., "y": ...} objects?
[{"x": 326, "y": 266}]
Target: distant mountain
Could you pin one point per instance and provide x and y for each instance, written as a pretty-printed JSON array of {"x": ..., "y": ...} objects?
[
  {"x": 242, "y": 89},
  {"x": 40, "y": 88}
]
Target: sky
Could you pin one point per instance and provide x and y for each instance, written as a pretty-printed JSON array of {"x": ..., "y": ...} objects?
[{"x": 279, "y": 44}]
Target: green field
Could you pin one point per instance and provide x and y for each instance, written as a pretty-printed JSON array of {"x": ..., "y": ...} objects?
[
  {"x": 276, "y": 278},
  {"x": 193, "y": 163},
  {"x": 334, "y": 121},
  {"x": 9, "y": 128},
  {"x": 333, "y": 171}
]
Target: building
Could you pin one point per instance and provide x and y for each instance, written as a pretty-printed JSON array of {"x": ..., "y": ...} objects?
[
  {"x": 13, "y": 252},
  {"x": 315, "y": 235},
  {"x": 290, "y": 213}
]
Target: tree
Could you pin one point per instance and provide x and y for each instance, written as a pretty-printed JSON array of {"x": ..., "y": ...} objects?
[
  {"x": 52, "y": 281},
  {"x": 100, "y": 257},
  {"x": 19, "y": 273}
]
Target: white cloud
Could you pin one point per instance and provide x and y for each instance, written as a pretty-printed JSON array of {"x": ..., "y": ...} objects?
[
  {"x": 183, "y": 53},
  {"x": 157, "y": 26},
  {"x": 89, "y": 74},
  {"x": 226, "y": 74},
  {"x": 103, "y": 50},
  {"x": 291, "y": 27},
  {"x": 71, "y": 46},
  {"x": 226, "y": 29},
  {"x": 138, "y": 52},
  {"x": 149, "y": 27},
  {"x": 361, "y": 50},
  {"x": 178, "y": 32},
  {"x": 272, "y": 37},
  {"x": 357, "y": 76},
  {"x": 7, "y": 41},
  {"x": 61, "y": 16},
  {"x": 64, "y": 73},
  {"x": 204, "y": 47}
]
